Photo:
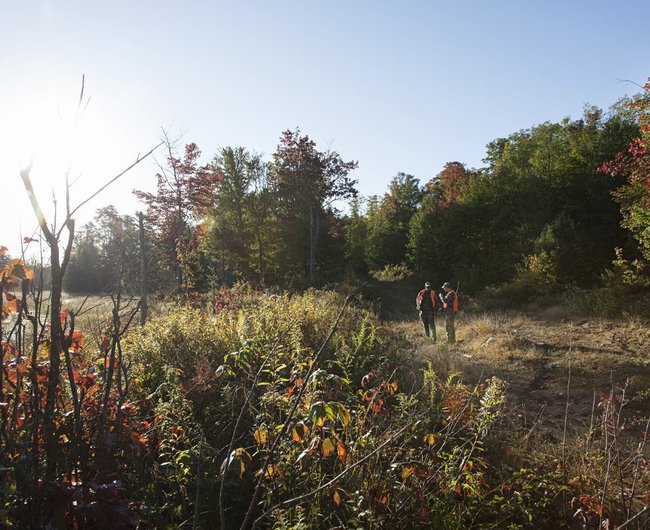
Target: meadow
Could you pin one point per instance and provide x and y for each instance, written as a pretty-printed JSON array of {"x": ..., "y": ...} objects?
[{"x": 290, "y": 410}]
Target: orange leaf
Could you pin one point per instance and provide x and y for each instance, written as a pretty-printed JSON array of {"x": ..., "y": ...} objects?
[
  {"x": 10, "y": 307},
  {"x": 107, "y": 363},
  {"x": 16, "y": 269},
  {"x": 336, "y": 496},
  {"x": 341, "y": 451},
  {"x": 298, "y": 432},
  {"x": 77, "y": 341}
]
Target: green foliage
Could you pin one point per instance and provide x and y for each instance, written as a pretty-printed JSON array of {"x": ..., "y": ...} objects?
[
  {"x": 387, "y": 221},
  {"x": 307, "y": 181},
  {"x": 252, "y": 397},
  {"x": 242, "y": 224},
  {"x": 540, "y": 195},
  {"x": 106, "y": 255},
  {"x": 633, "y": 164},
  {"x": 625, "y": 291},
  {"x": 624, "y": 272},
  {"x": 390, "y": 273}
]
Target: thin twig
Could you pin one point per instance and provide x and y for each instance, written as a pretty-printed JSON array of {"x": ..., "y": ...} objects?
[
  {"x": 334, "y": 480},
  {"x": 138, "y": 160},
  {"x": 644, "y": 510},
  {"x": 566, "y": 422}
]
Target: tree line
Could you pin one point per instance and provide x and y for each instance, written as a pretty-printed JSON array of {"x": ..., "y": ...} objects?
[{"x": 556, "y": 203}]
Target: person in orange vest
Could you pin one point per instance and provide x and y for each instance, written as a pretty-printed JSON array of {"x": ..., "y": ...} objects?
[
  {"x": 450, "y": 307},
  {"x": 426, "y": 303}
]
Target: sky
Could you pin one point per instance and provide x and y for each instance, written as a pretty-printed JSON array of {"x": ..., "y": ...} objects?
[{"x": 397, "y": 86}]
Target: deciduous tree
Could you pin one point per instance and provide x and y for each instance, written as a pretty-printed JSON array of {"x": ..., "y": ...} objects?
[
  {"x": 388, "y": 221},
  {"x": 308, "y": 181},
  {"x": 634, "y": 165},
  {"x": 184, "y": 193}
]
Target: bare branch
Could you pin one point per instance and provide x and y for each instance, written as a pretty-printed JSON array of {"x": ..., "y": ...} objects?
[
  {"x": 642, "y": 88},
  {"x": 40, "y": 217},
  {"x": 138, "y": 160}
]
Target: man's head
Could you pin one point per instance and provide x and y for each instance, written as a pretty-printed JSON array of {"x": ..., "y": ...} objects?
[
  {"x": 446, "y": 286},
  {"x": 427, "y": 286}
]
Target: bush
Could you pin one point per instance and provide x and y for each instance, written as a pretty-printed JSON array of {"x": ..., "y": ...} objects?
[{"x": 391, "y": 273}]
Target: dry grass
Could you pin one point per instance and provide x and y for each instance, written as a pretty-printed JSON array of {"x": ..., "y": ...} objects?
[{"x": 532, "y": 353}]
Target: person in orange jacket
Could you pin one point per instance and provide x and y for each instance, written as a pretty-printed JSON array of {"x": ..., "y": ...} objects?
[
  {"x": 426, "y": 304},
  {"x": 450, "y": 307}
]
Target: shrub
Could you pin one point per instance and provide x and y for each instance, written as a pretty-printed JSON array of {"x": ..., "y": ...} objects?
[{"x": 391, "y": 273}]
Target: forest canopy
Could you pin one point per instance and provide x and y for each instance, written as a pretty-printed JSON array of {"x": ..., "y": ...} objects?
[{"x": 556, "y": 203}]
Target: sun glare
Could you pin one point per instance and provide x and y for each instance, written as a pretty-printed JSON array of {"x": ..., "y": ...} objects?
[
  {"x": 56, "y": 141},
  {"x": 56, "y": 138},
  {"x": 44, "y": 136}
]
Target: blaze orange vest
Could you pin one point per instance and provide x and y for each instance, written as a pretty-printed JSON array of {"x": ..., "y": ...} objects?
[
  {"x": 455, "y": 306},
  {"x": 432, "y": 294}
]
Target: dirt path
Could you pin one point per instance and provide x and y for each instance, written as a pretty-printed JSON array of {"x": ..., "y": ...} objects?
[{"x": 544, "y": 360}]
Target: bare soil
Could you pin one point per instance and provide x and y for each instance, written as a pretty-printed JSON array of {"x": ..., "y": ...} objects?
[{"x": 555, "y": 367}]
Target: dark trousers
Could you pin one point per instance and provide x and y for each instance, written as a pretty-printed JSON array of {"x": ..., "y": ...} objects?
[
  {"x": 450, "y": 317},
  {"x": 429, "y": 322}
]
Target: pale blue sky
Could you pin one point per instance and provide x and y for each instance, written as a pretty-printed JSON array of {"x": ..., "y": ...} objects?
[{"x": 398, "y": 86}]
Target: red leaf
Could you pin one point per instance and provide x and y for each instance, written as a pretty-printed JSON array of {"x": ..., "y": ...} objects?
[{"x": 77, "y": 341}]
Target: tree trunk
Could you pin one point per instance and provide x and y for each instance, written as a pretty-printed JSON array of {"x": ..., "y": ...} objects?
[
  {"x": 143, "y": 271},
  {"x": 260, "y": 255},
  {"x": 56, "y": 337},
  {"x": 313, "y": 240}
]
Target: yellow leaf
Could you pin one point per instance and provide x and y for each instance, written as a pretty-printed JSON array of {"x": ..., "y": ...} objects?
[
  {"x": 407, "y": 472},
  {"x": 261, "y": 436},
  {"x": 272, "y": 470},
  {"x": 429, "y": 439},
  {"x": 328, "y": 447}
]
